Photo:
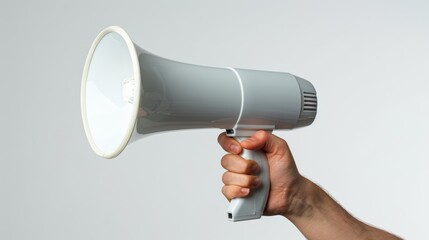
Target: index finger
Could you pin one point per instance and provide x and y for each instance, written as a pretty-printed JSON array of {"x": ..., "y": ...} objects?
[{"x": 229, "y": 144}]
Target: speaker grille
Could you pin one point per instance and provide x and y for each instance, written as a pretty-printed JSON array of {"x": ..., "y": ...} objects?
[{"x": 310, "y": 102}]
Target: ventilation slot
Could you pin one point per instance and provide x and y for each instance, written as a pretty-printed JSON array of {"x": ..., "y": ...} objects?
[{"x": 310, "y": 102}]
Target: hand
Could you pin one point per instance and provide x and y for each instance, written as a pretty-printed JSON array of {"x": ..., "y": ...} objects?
[
  {"x": 240, "y": 177},
  {"x": 304, "y": 203}
]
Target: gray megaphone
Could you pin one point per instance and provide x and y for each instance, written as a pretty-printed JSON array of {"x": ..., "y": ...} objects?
[{"x": 128, "y": 92}]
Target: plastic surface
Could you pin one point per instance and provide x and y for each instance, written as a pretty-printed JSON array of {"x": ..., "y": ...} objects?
[
  {"x": 252, "y": 206},
  {"x": 127, "y": 91},
  {"x": 269, "y": 98},
  {"x": 108, "y": 109},
  {"x": 177, "y": 95}
]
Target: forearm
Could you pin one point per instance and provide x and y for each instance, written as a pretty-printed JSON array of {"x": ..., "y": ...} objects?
[{"x": 319, "y": 217}]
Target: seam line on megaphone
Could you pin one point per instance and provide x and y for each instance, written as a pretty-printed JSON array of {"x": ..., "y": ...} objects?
[{"x": 242, "y": 95}]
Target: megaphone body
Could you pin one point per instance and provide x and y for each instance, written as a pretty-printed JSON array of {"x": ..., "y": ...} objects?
[{"x": 128, "y": 92}]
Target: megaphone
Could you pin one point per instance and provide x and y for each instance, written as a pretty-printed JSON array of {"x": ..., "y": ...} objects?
[{"x": 128, "y": 92}]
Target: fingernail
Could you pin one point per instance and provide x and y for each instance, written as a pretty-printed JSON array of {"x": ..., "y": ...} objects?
[
  {"x": 255, "y": 168},
  {"x": 249, "y": 140},
  {"x": 245, "y": 190},
  {"x": 256, "y": 182},
  {"x": 234, "y": 148}
]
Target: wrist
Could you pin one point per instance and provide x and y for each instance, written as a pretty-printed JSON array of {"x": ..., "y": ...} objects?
[
  {"x": 318, "y": 216},
  {"x": 303, "y": 199}
]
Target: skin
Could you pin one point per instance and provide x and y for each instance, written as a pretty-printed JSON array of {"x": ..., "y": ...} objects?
[{"x": 291, "y": 195}]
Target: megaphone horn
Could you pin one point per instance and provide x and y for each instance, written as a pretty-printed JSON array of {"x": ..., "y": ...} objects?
[{"x": 128, "y": 92}]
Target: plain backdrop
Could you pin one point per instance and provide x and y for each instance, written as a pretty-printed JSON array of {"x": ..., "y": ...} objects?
[{"x": 369, "y": 62}]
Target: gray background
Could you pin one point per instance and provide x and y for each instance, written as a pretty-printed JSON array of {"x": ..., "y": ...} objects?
[{"x": 368, "y": 146}]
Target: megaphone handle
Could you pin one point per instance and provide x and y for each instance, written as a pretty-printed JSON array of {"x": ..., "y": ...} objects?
[{"x": 252, "y": 206}]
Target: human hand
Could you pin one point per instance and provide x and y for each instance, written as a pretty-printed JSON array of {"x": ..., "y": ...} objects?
[
  {"x": 304, "y": 203},
  {"x": 240, "y": 177}
]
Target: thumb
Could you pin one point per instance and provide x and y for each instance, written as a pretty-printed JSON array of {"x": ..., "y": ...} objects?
[{"x": 265, "y": 141}]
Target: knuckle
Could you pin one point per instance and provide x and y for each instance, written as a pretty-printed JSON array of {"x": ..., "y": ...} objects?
[
  {"x": 225, "y": 161},
  {"x": 280, "y": 141},
  {"x": 234, "y": 192},
  {"x": 221, "y": 138},
  {"x": 265, "y": 134},
  {"x": 229, "y": 192},
  {"x": 225, "y": 192},
  {"x": 284, "y": 143},
  {"x": 225, "y": 177},
  {"x": 224, "y": 189}
]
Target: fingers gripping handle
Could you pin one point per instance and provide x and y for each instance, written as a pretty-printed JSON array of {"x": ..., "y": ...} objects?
[{"x": 252, "y": 206}]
